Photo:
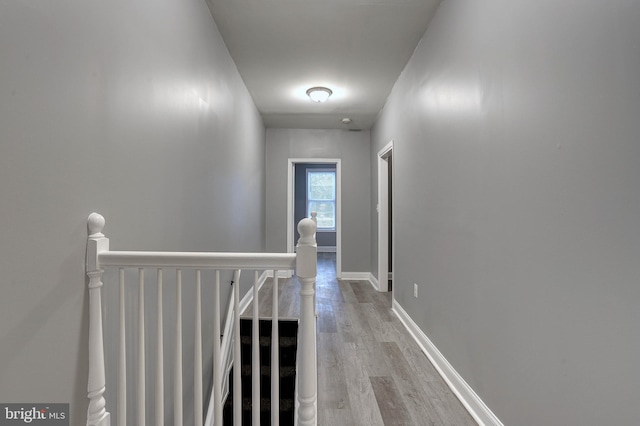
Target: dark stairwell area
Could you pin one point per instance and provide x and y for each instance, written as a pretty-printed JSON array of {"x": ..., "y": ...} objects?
[{"x": 287, "y": 353}]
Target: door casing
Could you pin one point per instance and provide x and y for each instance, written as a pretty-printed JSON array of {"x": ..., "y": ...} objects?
[
  {"x": 290, "y": 204},
  {"x": 384, "y": 155}
]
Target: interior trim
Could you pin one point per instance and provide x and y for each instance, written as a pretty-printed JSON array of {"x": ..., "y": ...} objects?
[{"x": 471, "y": 401}]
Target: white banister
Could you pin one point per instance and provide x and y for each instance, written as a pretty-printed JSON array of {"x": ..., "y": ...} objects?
[
  {"x": 197, "y": 354},
  {"x": 159, "y": 356},
  {"x": 198, "y": 260},
  {"x": 97, "y": 414},
  {"x": 304, "y": 261},
  {"x": 177, "y": 372},
  {"x": 306, "y": 270}
]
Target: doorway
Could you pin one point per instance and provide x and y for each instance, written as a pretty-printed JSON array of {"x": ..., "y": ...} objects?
[
  {"x": 303, "y": 167},
  {"x": 385, "y": 218}
]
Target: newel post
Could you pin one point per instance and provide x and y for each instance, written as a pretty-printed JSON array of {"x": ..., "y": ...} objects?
[
  {"x": 97, "y": 414},
  {"x": 306, "y": 270}
]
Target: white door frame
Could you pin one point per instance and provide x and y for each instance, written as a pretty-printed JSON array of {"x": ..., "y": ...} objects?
[
  {"x": 290, "y": 204},
  {"x": 383, "y": 217}
]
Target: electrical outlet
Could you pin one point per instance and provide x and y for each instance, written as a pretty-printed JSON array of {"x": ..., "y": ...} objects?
[{"x": 415, "y": 290}]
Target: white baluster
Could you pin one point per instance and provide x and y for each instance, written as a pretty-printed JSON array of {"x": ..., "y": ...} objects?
[
  {"x": 142, "y": 403},
  {"x": 177, "y": 373},
  {"x": 217, "y": 361},
  {"x": 275, "y": 355},
  {"x": 159, "y": 357},
  {"x": 237, "y": 364},
  {"x": 197, "y": 357},
  {"x": 306, "y": 269},
  {"x": 122, "y": 365},
  {"x": 255, "y": 356},
  {"x": 97, "y": 415}
]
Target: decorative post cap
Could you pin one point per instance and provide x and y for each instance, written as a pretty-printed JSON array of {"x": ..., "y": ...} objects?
[
  {"x": 95, "y": 223},
  {"x": 307, "y": 229}
]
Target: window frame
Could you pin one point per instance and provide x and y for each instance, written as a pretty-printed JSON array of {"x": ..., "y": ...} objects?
[{"x": 332, "y": 201}]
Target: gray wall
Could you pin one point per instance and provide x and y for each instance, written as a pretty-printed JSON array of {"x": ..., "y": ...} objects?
[
  {"x": 517, "y": 158},
  {"x": 354, "y": 151},
  {"x": 131, "y": 109}
]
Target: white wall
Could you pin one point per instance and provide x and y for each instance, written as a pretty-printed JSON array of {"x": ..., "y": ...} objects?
[
  {"x": 517, "y": 135},
  {"x": 131, "y": 109},
  {"x": 353, "y": 148}
]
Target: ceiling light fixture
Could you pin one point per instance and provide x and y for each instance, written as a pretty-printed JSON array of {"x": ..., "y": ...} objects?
[{"x": 319, "y": 94}]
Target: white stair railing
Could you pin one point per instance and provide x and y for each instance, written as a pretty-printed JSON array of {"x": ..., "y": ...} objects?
[{"x": 99, "y": 257}]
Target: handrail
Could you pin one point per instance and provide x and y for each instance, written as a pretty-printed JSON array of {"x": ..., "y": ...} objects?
[{"x": 203, "y": 260}]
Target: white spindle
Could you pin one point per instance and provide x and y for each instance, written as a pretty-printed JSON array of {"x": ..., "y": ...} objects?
[
  {"x": 306, "y": 269},
  {"x": 97, "y": 415},
  {"x": 217, "y": 361},
  {"x": 275, "y": 355},
  {"x": 159, "y": 356},
  {"x": 122, "y": 365},
  {"x": 197, "y": 356},
  {"x": 142, "y": 400},
  {"x": 177, "y": 372},
  {"x": 255, "y": 356},
  {"x": 237, "y": 364}
]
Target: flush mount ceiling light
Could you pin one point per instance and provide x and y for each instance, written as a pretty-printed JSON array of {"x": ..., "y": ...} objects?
[{"x": 319, "y": 94}]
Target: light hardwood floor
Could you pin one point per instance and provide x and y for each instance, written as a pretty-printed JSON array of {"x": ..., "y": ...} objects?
[{"x": 370, "y": 370}]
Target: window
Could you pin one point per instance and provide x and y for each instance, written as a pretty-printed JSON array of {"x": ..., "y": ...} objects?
[{"x": 321, "y": 197}]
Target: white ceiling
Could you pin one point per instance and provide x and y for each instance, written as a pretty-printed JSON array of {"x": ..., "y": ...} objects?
[{"x": 357, "y": 48}]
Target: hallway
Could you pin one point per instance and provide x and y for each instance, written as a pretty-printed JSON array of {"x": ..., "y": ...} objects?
[{"x": 370, "y": 370}]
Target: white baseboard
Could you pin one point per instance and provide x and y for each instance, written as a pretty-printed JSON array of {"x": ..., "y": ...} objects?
[
  {"x": 361, "y": 276},
  {"x": 281, "y": 274},
  {"x": 374, "y": 281},
  {"x": 355, "y": 276},
  {"x": 471, "y": 401}
]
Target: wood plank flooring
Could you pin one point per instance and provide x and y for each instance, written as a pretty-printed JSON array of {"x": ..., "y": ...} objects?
[{"x": 370, "y": 370}]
